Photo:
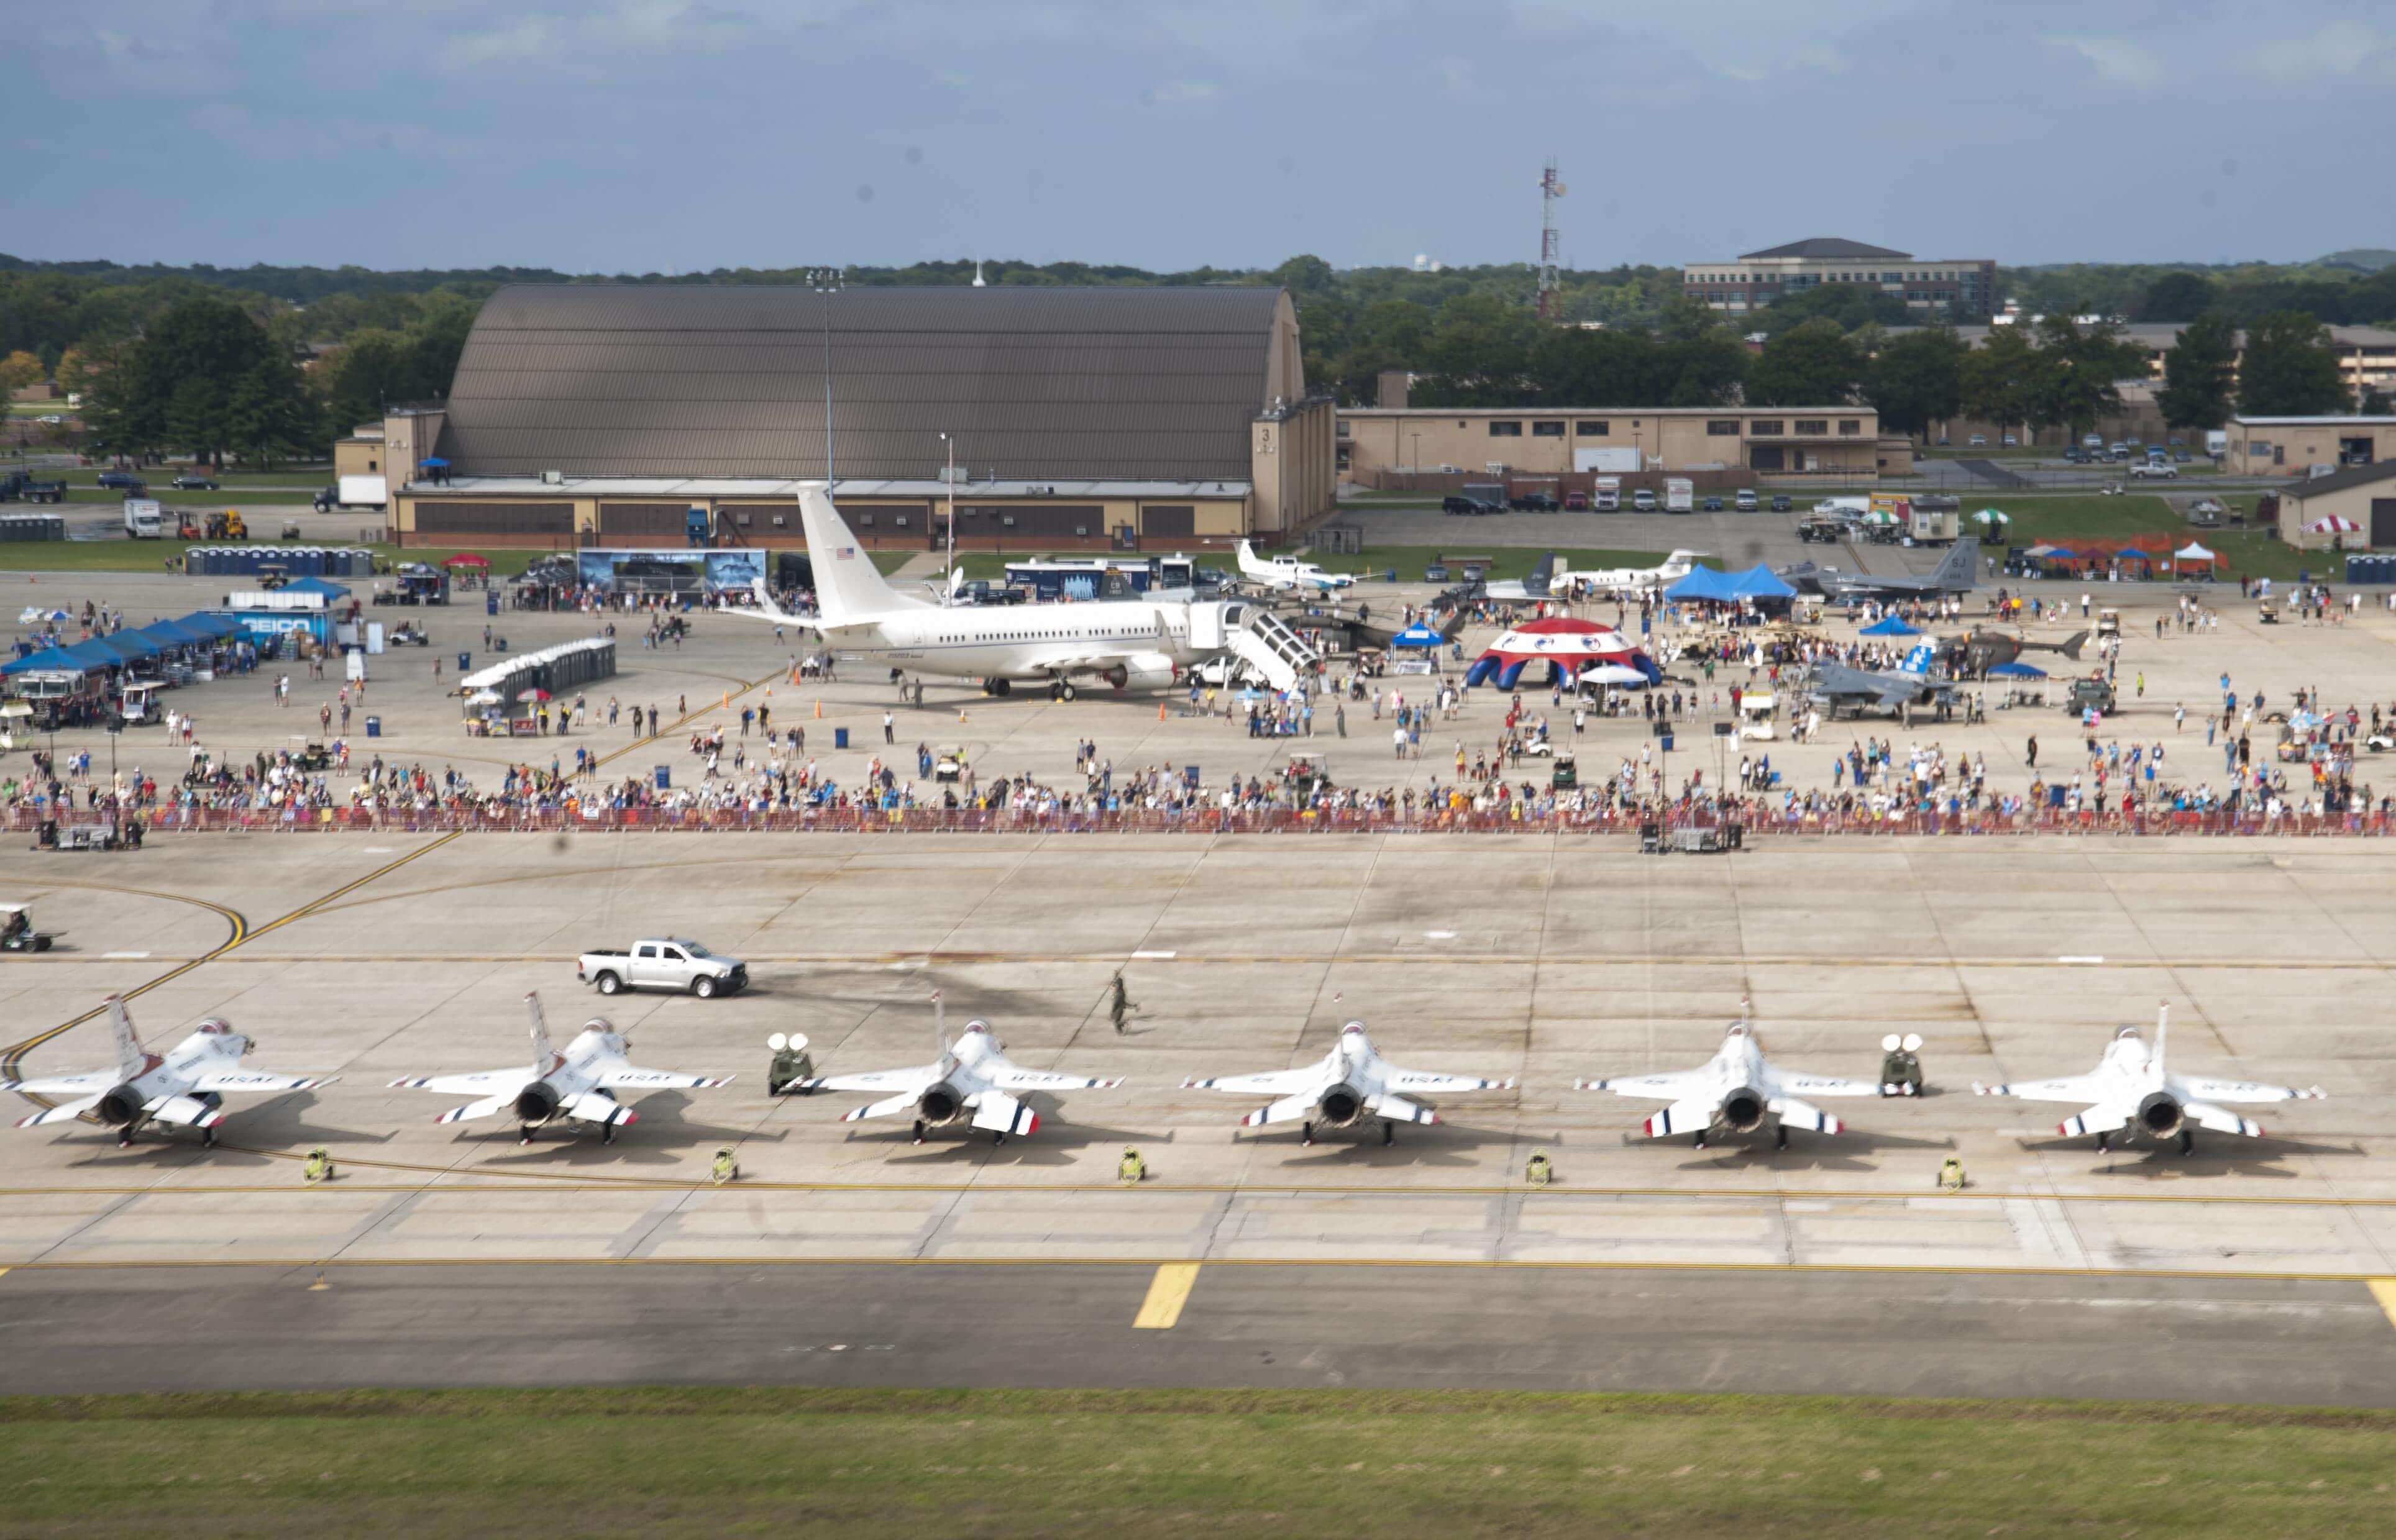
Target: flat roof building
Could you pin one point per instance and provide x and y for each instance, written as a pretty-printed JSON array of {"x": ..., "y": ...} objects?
[
  {"x": 601, "y": 414},
  {"x": 1961, "y": 288},
  {"x": 1376, "y": 443},
  {"x": 2363, "y": 495},
  {"x": 2267, "y": 446}
]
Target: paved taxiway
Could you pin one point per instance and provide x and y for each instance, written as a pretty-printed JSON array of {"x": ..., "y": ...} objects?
[{"x": 1281, "y": 1326}]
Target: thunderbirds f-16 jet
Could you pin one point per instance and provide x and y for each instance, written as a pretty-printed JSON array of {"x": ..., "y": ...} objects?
[
  {"x": 2130, "y": 1089},
  {"x": 1737, "y": 1091},
  {"x": 578, "y": 1086},
  {"x": 185, "y": 1087},
  {"x": 969, "y": 1081},
  {"x": 1347, "y": 1086}
]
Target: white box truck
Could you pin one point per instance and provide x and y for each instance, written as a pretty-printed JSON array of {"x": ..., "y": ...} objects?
[
  {"x": 142, "y": 521},
  {"x": 1609, "y": 496},
  {"x": 1680, "y": 494},
  {"x": 362, "y": 492}
]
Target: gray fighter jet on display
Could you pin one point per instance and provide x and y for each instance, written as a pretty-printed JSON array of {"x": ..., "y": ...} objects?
[
  {"x": 1901, "y": 689},
  {"x": 1957, "y": 572}
]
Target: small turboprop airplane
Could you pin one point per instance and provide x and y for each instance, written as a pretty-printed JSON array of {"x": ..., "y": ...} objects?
[
  {"x": 1627, "y": 580},
  {"x": 1736, "y": 1091},
  {"x": 1288, "y": 572},
  {"x": 1347, "y": 1086},
  {"x": 967, "y": 1082},
  {"x": 577, "y": 1086},
  {"x": 2130, "y": 1089},
  {"x": 185, "y": 1087}
]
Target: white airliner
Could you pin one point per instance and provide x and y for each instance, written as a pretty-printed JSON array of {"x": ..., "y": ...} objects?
[
  {"x": 1288, "y": 572},
  {"x": 578, "y": 1086},
  {"x": 1736, "y": 1091},
  {"x": 2130, "y": 1089},
  {"x": 969, "y": 1081},
  {"x": 1627, "y": 580},
  {"x": 185, "y": 1087},
  {"x": 1347, "y": 1086},
  {"x": 1126, "y": 643}
]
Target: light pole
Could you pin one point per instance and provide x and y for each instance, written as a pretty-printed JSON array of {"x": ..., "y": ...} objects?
[
  {"x": 950, "y": 481},
  {"x": 826, "y": 282}
]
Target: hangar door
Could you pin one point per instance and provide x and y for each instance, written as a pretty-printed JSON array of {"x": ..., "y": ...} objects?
[{"x": 2383, "y": 523}]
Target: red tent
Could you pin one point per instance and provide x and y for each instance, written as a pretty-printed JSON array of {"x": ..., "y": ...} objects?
[{"x": 467, "y": 559}]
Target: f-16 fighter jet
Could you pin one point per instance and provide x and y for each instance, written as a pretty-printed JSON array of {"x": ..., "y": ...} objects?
[
  {"x": 578, "y": 1086},
  {"x": 185, "y": 1087},
  {"x": 1737, "y": 1091},
  {"x": 2130, "y": 1089},
  {"x": 968, "y": 1081},
  {"x": 1347, "y": 1086}
]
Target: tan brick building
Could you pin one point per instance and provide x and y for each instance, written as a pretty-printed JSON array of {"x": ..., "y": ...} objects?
[
  {"x": 1804, "y": 443},
  {"x": 2274, "y": 445}
]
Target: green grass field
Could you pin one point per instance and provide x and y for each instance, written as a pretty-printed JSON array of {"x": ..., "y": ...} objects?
[
  {"x": 2150, "y": 522},
  {"x": 735, "y": 1461}
]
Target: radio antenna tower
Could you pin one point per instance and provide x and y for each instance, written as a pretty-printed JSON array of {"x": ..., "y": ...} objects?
[{"x": 1551, "y": 242}]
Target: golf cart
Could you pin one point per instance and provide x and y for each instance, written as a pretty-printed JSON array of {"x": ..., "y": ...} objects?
[
  {"x": 2267, "y": 613},
  {"x": 1305, "y": 776},
  {"x": 137, "y": 704},
  {"x": 2108, "y": 624},
  {"x": 1756, "y": 708},
  {"x": 1564, "y": 774},
  {"x": 950, "y": 767},
  {"x": 313, "y": 756},
  {"x": 16, "y": 931}
]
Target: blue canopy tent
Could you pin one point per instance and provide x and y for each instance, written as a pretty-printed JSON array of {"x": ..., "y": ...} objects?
[
  {"x": 219, "y": 626},
  {"x": 317, "y": 585},
  {"x": 1760, "y": 582},
  {"x": 1703, "y": 583},
  {"x": 1418, "y": 635},
  {"x": 2132, "y": 554},
  {"x": 127, "y": 646},
  {"x": 1891, "y": 626},
  {"x": 2017, "y": 671},
  {"x": 172, "y": 633},
  {"x": 92, "y": 654},
  {"x": 48, "y": 661}
]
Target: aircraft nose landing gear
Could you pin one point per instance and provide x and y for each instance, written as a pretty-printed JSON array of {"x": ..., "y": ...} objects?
[{"x": 1388, "y": 1133}]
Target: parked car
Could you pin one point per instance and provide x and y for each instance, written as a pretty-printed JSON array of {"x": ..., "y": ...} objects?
[
  {"x": 2075, "y": 456},
  {"x": 1713, "y": 505},
  {"x": 1463, "y": 508},
  {"x": 193, "y": 482},
  {"x": 2154, "y": 471},
  {"x": 123, "y": 480},
  {"x": 1642, "y": 501},
  {"x": 1435, "y": 573},
  {"x": 1979, "y": 441},
  {"x": 1576, "y": 502},
  {"x": 2180, "y": 456},
  {"x": 666, "y": 963},
  {"x": 2117, "y": 451},
  {"x": 1744, "y": 500},
  {"x": 1780, "y": 503},
  {"x": 1533, "y": 502},
  {"x": 2012, "y": 443}
]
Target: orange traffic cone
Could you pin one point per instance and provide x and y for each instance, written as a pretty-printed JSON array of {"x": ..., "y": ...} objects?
[
  {"x": 1160, "y": 710},
  {"x": 819, "y": 710}
]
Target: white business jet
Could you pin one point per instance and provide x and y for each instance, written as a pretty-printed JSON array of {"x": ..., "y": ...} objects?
[
  {"x": 1347, "y": 1086},
  {"x": 1626, "y": 581},
  {"x": 185, "y": 1087},
  {"x": 1126, "y": 642},
  {"x": 578, "y": 1086},
  {"x": 968, "y": 1081},
  {"x": 1288, "y": 572},
  {"x": 2130, "y": 1089},
  {"x": 1736, "y": 1089}
]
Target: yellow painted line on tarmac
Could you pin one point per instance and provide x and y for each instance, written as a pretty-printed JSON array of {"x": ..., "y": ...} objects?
[
  {"x": 1167, "y": 1292},
  {"x": 14, "y": 1054},
  {"x": 1484, "y": 1264},
  {"x": 513, "y": 1181},
  {"x": 2383, "y": 1291}
]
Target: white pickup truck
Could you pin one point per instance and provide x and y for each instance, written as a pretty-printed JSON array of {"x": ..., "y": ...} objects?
[
  {"x": 668, "y": 962},
  {"x": 2155, "y": 471}
]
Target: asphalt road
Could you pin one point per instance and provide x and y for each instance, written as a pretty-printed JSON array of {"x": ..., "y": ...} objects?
[{"x": 2109, "y": 1337}]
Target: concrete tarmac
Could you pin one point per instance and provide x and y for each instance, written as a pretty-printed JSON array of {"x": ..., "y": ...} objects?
[{"x": 2118, "y": 1338}]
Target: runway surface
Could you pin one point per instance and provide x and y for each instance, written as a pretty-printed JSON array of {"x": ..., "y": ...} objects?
[{"x": 1073, "y": 1324}]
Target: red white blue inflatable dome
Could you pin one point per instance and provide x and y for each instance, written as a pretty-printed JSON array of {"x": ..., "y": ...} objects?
[{"x": 1569, "y": 647}]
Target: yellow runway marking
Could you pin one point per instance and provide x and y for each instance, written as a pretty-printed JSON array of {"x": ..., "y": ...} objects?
[
  {"x": 1167, "y": 1292},
  {"x": 2383, "y": 1291}
]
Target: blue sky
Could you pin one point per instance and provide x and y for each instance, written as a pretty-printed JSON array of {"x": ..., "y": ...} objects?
[{"x": 674, "y": 135}]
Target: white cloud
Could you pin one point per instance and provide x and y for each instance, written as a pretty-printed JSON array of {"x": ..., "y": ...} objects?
[
  {"x": 1178, "y": 91},
  {"x": 1746, "y": 40},
  {"x": 2343, "y": 49},
  {"x": 526, "y": 39},
  {"x": 2115, "y": 58}
]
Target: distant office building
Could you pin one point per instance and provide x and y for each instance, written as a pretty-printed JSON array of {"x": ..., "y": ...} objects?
[
  {"x": 2318, "y": 446},
  {"x": 1379, "y": 443},
  {"x": 1961, "y": 288}
]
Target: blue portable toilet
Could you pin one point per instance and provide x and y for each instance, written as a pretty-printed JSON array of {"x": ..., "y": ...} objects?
[
  {"x": 490, "y": 604},
  {"x": 665, "y": 778},
  {"x": 465, "y": 661},
  {"x": 374, "y": 726},
  {"x": 840, "y": 738}
]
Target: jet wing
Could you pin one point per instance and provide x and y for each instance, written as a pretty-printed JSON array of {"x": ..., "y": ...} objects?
[
  {"x": 2070, "y": 1088},
  {"x": 1015, "y": 1079},
  {"x": 2200, "y": 1089},
  {"x": 1272, "y": 1083},
  {"x": 63, "y": 1112},
  {"x": 244, "y": 1080},
  {"x": 1683, "y": 1117},
  {"x": 1825, "y": 1085},
  {"x": 1001, "y": 1113},
  {"x": 625, "y": 1077},
  {"x": 606, "y": 1111},
  {"x": 481, "y": 1083},
  {"x": 1423, "y": 1083},
  {"x": 189, "y": 1112},
  {"x": 1399, "y": 1109},
  {"x": 2221, "y": 1120},
  {"x": 65, "y": 1085},
  {"x": 1674, "y": 1084},
  {"x": 908, "y": 1081}
]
